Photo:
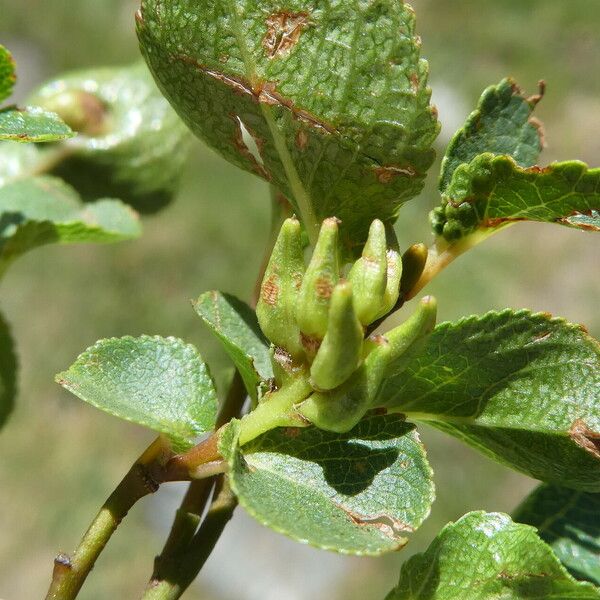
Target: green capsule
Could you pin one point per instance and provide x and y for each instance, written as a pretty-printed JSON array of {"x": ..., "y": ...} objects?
[
  {"x": 394, "y": 274},
  {"x": 321, "y": 276},
  {"x": 369, "y": 275},
  {"x": 280, "y": 289},
  {"x": 341, "y": 409},
  {"x": 340, "y": 353},
  {"x": 413, "y": 263}
]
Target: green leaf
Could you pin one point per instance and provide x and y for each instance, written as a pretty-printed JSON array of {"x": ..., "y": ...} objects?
[
  {"x": 131, "y": 144},
  {"x": 8, "y": 372},
  {"x": 569, "y": 521},
  {"x": 160, "y": 383},
  {"x": 328, "y": 100},
  {"x": 42, "y": 210},
  {"x": 355, "y": 493},
  {"x": 484, "y": 556},
  {"x": 7, "y": 73},
  {"x": 235, "y": 325},
  {"x": 492, "y": 191},
  {"x": 32, "y": 125},
  {"x": 501, "y": 124},
  {"x": 520, "y": 387}
]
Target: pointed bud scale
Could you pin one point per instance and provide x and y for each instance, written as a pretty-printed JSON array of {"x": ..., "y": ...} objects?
[
  {"x": 369, "y": 275},
  {"x": 413, "y": 263},
  {"x": 341, "y": 409},
  {"x": 406, "y": 339},
  {"x": 320, "y": 278},
  {"x": 394, "y": 274},
  {"x": 340, "y": 353},
  {"x": 280, "y": 290}
]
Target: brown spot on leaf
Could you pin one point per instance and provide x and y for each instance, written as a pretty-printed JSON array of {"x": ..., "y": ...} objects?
[
  {"x": 539, "y": 126},
  {"x": 310, "y": 344},
  {"x": 269, "y": 290},
  {"x": 585, "y": 437},
  {"x": 261, "y": 92},
  {"x": 533, "y": 100},
  {"x": 499, "y": 221},
  {"x": 386, "y": 174},
  {"x": 323, "y": 287},
  {"x": 414, "y": 82},
  {"x": 573, "y": 220},
  {"x": 302, "y": 139},
  {"x": 291, "y": 432},
  {"x": 542, "y": 337},
  {"x": 387, "y": 524},
  {"x": 283, "y": 32}
]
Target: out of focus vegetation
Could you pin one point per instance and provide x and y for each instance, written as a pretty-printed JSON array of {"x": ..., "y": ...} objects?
[{"x": 60, "y": 458}]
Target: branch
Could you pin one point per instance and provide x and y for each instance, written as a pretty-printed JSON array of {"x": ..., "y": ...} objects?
[{"x": 70, "y": 572}]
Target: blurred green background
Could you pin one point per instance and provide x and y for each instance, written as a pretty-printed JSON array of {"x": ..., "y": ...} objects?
[{"x": 61, "y": 458}]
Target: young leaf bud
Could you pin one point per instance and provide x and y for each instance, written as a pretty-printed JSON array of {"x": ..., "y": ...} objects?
[
  {"x": 413, "y": 263},
  {"x": 341, "y": 409},
  {"x": 340, "y": 353},
  {"x": 320, "y": 278},
  {"x": 406, "y": 339},
  {"x": 369, "y": 275},
  {"x": 394, "y": 274},
  {"x": 280, "y": 290}
]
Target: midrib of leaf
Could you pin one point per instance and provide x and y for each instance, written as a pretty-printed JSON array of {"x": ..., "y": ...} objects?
[{"x": 301, "y": 196}]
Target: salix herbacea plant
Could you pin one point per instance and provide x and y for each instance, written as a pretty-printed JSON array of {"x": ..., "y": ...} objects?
[{"x": 328, "y": 102}]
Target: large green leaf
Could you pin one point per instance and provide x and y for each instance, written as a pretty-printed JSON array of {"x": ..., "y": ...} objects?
[
  {"x": 501, "y": 124},
  {"x": 42, "y": 210},
  {"x": 355, "y": 493},
  {"x": 131, "y": 144},
  {"x": 160, "y": 383},
  {"x": 235, "y": 325},
  {"x": 327, "y": 99},
  {"x": 7, "y": 73},
  {"x": 8, "y": 372},
  {"x": 522, "y": 388},
  {"x": 32, "y": 125},
  {"x": 492, "y": 191},
  {"x": 568, "y": 520},
  {"x": 485, "y": 556}
]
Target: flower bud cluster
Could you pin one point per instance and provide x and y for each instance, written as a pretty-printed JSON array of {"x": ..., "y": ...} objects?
[{"x": 316, "y": 317}]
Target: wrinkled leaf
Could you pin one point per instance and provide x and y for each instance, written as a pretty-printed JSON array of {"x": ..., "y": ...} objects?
[
  {"x": 355, "y": 493},
  {"x": 484, "y": 556},
  {"x": 8, "y": 372},
  {"x": 32, "y": 125},
  {"x": 522, "y": 388},
  {"x": 569, "y": 521},
  {"x": 7, "y": 73},
  {"x": 327, "y": 100},
  {"x": 160, "y": 383},
  {"x": 42, "y": 210},
  {"x": 501, "y": 124},
  {"x": 493, "y": 191},
  {"x": 235, "y": 325},
  {"x": 131, "y": 144}
]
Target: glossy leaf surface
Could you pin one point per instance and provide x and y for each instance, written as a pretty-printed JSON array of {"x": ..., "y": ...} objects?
[
  {"x": 235, "y": 325},
  {"x": 493, "y": 191},
  {"x": 484, "y": 556},
  {"x": 520, "y": 387},
  {"x": 328, "y": 100},
  {"x": 160, "y": 383},
  {"x": 569, "y": 521},
  {"x": 354, "y": 493},
  {"x": 43, "y": 210},
  {"x": 501, "y": 124}
]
